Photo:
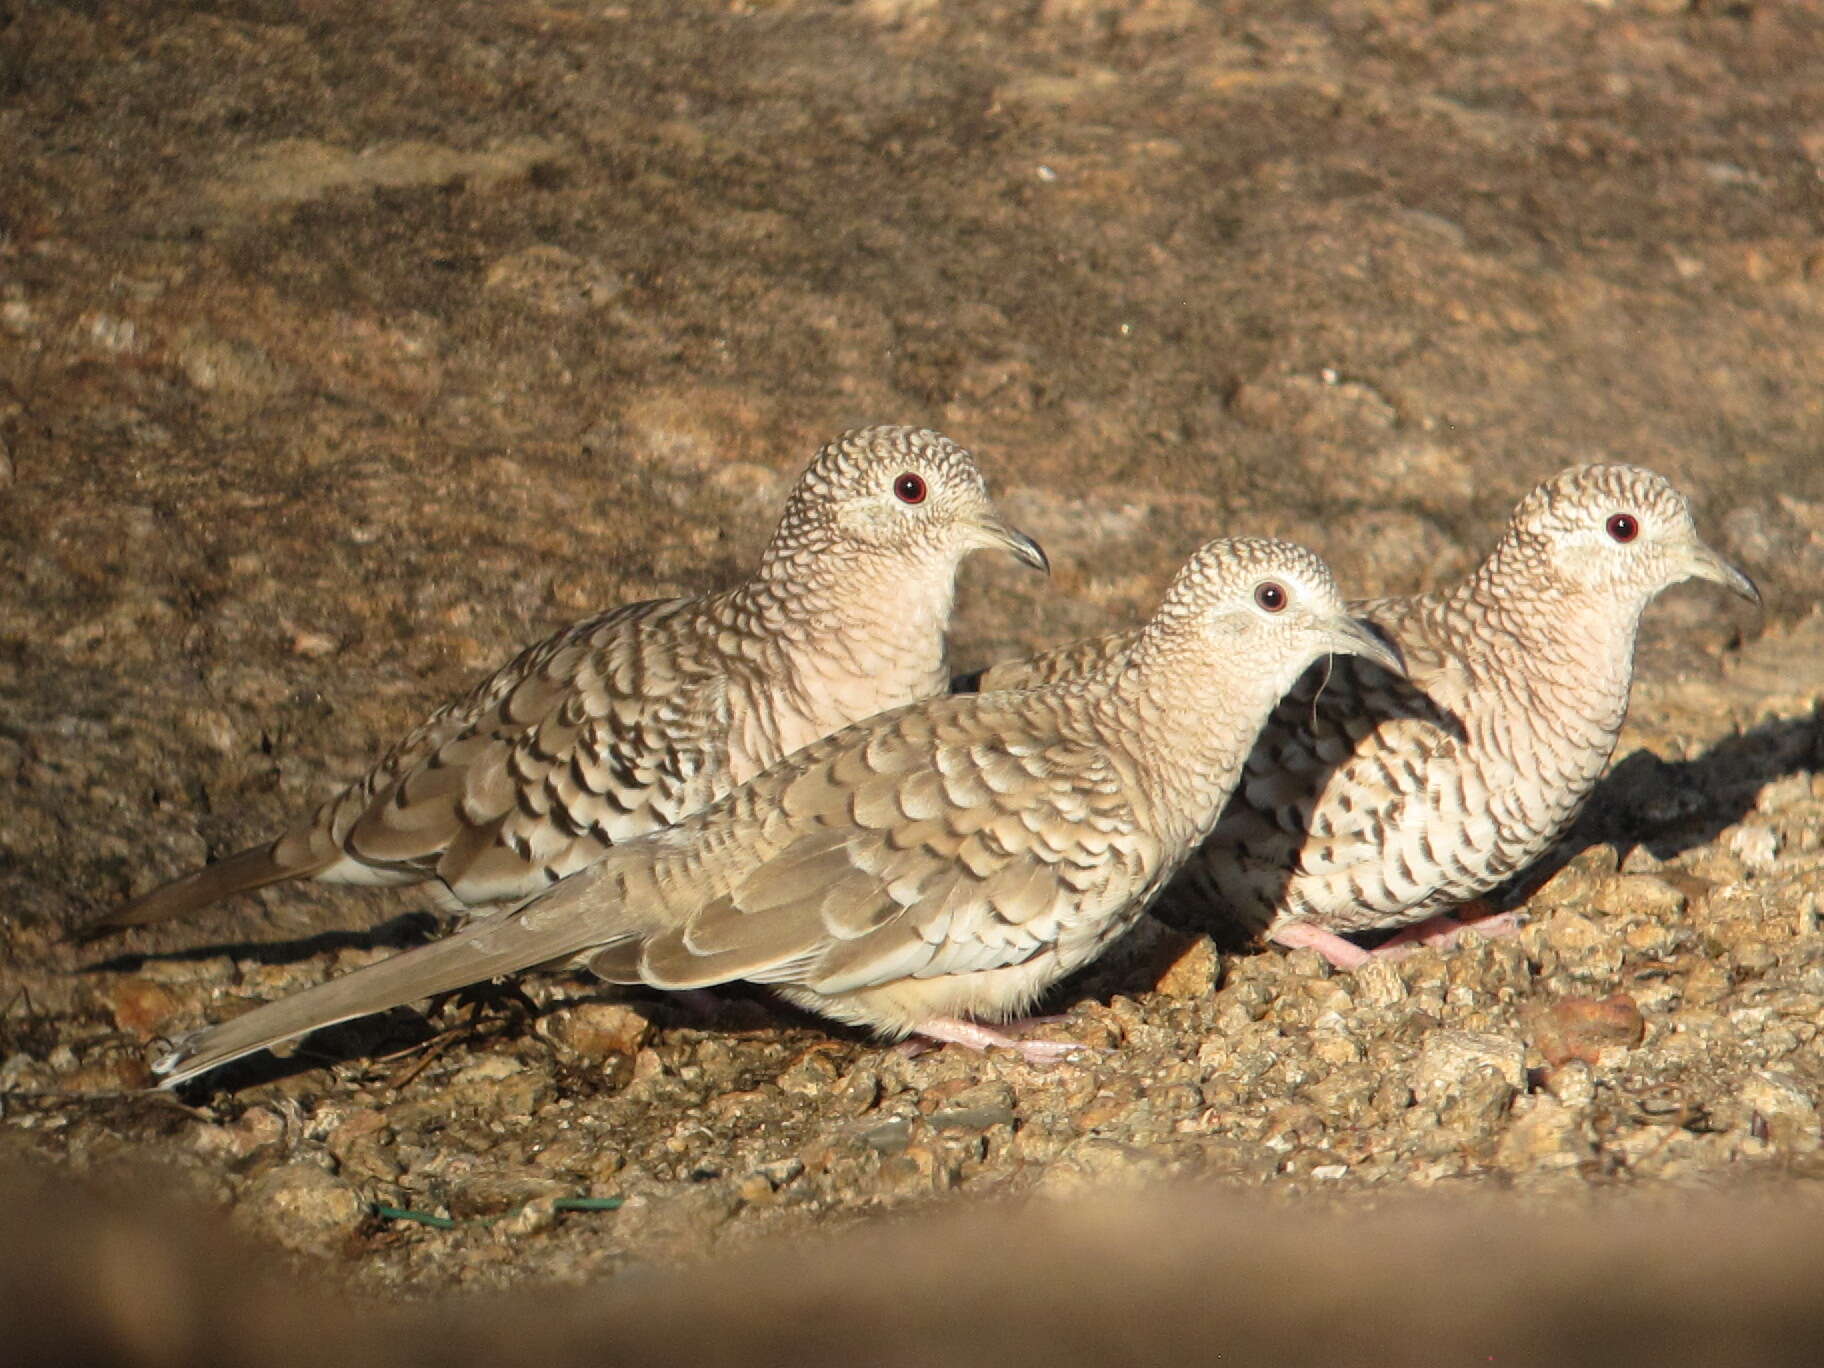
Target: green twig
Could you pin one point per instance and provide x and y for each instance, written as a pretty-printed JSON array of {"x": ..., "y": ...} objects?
[{"x": 393, "y": 1213}]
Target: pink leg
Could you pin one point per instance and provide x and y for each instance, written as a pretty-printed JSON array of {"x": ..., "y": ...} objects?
[
  {"x": 1445, "y": 930},
  {"x": 955, "y": 1031},
  {"x": 1442, "y": 931},
  {"x": 1303, "y": 935}
]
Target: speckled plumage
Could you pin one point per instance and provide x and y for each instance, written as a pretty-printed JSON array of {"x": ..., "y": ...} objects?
[
  {"x": 635, "y": 718},
  {"x": 1373, "y": 802},
  {"x": 943, "y": 862}
]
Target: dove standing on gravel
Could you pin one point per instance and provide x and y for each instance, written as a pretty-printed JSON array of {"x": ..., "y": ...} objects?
[
  {"x": 628, "y": 721},
  {"x": 1373, "y": 802},
  {"x": 927, "y": 869}
]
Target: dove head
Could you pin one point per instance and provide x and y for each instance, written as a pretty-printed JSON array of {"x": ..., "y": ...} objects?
[
  {"x": 1619, "y": 533},
  {"x": 1263, "y": 610},
  {"x": 895, "y": 495}
]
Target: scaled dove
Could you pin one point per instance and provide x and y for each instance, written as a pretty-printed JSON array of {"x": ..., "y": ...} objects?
[
  {"x": 630, "y": 720},
  {"x": 1373, "y": 802},
  {"x": 932, "y": 867}
]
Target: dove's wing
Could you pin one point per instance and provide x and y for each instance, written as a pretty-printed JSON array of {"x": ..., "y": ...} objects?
[
  {"x": 603, "y": 732},
  {"x": 959, "y": 838}
]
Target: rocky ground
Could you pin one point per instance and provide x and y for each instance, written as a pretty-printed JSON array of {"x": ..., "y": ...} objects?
[{"x": 344, "y": 350}]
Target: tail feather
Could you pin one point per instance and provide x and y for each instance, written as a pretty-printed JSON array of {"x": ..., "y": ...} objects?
[
  {"x": 504, "y": 943},
  {"x": 238, "y": 873}
]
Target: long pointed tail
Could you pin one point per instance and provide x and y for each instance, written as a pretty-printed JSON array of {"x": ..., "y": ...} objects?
[
  {"x": 238, "y": 873},
  {"x": 548, "y": 929}
]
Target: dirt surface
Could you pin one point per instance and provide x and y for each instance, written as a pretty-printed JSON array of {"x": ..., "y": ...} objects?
[{"x": 344, "y": 349}]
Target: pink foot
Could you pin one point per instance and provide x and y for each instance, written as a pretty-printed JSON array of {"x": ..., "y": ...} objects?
[
  {"x": 1340, "y": 953},
  {"x": 955, "y": 1031},
  {"x": 1444, "y": 931}
]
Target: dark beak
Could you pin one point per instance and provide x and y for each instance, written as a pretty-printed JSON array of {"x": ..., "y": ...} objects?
[
  {"x": 1010, "y": 538},
  {"x": 1352, "y": 636},
  {"x": 1706, "y": 564}
]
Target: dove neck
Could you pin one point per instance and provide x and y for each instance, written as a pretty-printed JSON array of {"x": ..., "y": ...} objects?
[
  {"x": 864, "y": 607},
  {"x": 1194, "y": 713},
  {"x": 837, "y": 639},
  {"x": 1563, "y": 640}
]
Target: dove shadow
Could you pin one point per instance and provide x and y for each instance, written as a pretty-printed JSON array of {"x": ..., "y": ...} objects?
[
  {"x": 1669, "y": 807},
  {"x": 397, "y": 933},
  {"x": 373, "y": 1038},
  {"x": 495, "y": 1008},
  {"x": 500, "y": 1009}
]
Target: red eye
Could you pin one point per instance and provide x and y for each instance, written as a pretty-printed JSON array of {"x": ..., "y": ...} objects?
[
  {"x": 910, "y": 488},
  {"x": 1623, "y": 527},
  {"x": 1270, "y": 596}
]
